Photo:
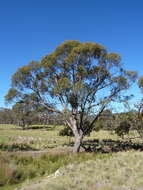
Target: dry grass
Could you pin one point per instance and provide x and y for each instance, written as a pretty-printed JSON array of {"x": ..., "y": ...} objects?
[
  {"x": 123, "y": 171},
  {"x": 12, "y": 138},
  {"x": 16, "y": 168},
  {"x": 7, "y": 170},
  {"x": 39, "y": 139}
]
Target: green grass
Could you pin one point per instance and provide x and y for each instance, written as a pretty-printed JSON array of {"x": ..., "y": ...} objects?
[
  {"x": 9, "y": 187},
  {"x": 13, "y": 138},
  {"x": 34, "y": 153},
  {"x": 36, "y": 139},
  {"x": 122, "y": 171},
  {"x": 16, "y": 168}
]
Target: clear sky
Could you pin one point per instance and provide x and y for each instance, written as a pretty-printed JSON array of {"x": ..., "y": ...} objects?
[{"x": 30, "y": 29}]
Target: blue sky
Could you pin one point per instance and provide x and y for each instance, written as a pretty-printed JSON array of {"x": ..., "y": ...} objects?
[{"x": 30, "y": 29}]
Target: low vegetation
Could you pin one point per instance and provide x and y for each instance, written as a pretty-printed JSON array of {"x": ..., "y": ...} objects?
[
  {"x": 120, "y": 171},
  {"x": 16, "y": 168},
  {"x": 34, "y": 154}
]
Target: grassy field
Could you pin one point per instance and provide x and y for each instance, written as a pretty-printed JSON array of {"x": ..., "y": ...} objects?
[
  {"x": 13, "y": 138},
  {"x": 28, "y": 156},
  {"x": 38, "y": 139},
  {"x": 121, "y": 171}
]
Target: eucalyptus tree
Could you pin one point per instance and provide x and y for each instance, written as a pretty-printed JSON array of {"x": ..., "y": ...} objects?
[
  {"x": 6, "y": 116},
  {"x": 77, "y": 80},
  {"x": 22, "y": 114},
  {"x": 138, "y": 117}
]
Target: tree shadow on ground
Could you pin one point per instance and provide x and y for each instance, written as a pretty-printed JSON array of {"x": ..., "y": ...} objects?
[
  {"x": 10, "y": 128},
  {"x": 109, "y": 145},
  {"x": 16, "y": 147},
  {"x": 46, "y": 127}
]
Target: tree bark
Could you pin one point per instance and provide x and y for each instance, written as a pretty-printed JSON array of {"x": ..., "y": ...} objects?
[
  {"x": 77, "y": 143},
  {"x": 78, "y": 134}
]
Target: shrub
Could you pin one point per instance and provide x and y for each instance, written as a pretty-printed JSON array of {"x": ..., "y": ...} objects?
[
  {"x": 123, "y": 128},
  {"x": 66, "y": 132}
]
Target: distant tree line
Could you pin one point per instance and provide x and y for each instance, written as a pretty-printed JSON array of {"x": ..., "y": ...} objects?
[
  {"x": 25, "y": 116},
  {"x": 18, "y": 115}
]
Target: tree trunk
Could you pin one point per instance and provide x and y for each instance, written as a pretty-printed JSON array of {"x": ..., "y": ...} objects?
[
  {"x": 77, "y": 143},
  {"x": 78, "y": 133}
]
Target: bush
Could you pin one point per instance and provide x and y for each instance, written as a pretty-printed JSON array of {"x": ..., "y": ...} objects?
[
  {"x": 66, "y": 132},
  {"x": 123, "y": 128}
]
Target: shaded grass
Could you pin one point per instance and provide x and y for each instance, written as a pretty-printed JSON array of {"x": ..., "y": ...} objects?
[
  {"x": 109, "y": 145},
  {"x": 15, "y": 147}
]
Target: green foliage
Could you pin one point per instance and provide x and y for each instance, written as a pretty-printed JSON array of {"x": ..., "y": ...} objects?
[
  {"x": 12, "y": 93},
  {"x": 66, "y": 131},
  {"x": 100, "y": 124},
  {"x": 123, "y": 128},
  {"x": 74, "y": 68},
  {"x": 63, "y": 85}
]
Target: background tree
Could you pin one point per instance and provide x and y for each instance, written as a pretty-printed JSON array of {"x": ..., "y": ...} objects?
[
  {"x": 26, "y": 113},
  {"x": 138, "y": 115},
  {"x": 6, "y": 116},
  {"x": 22, "y": 114},
  {"x": 123, "y": 128},
  {"x": 76, "y": 81}
]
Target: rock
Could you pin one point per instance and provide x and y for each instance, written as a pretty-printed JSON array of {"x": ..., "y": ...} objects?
[{"x": 57, "y": 173}]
